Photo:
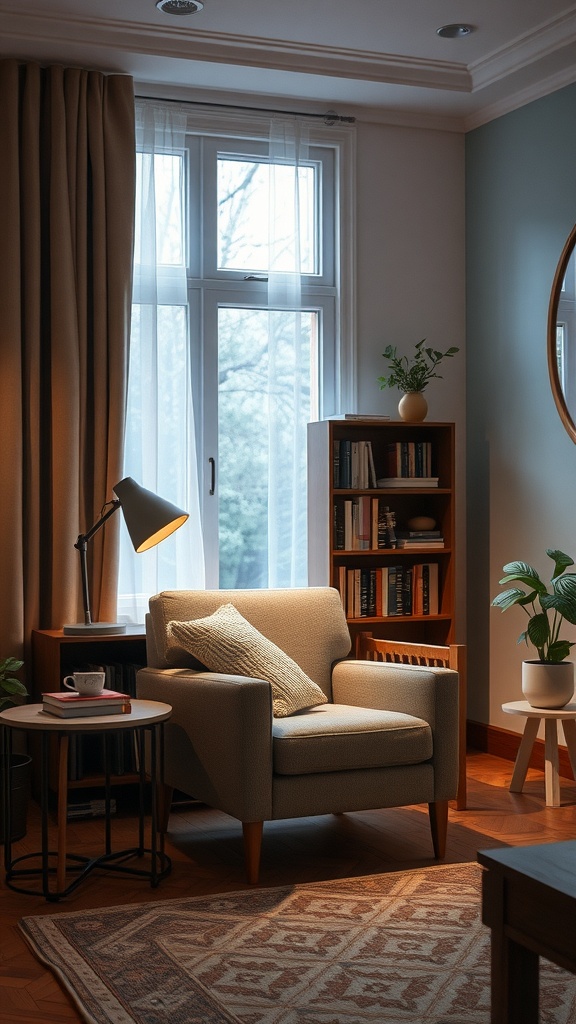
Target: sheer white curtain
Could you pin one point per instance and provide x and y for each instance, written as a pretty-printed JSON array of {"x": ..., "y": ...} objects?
[
  {"x": 290, "y": 353},
  {"x": 160, "y": 449}
]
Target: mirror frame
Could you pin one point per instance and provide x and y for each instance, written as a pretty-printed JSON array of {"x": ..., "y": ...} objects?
[{"x": 557, "y": 392}]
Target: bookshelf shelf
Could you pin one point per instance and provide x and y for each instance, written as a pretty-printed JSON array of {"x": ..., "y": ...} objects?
[{"x": 339, "y": 515}]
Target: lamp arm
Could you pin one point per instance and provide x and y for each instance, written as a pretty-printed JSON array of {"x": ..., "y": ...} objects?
[{"x": 80, "y": 546}]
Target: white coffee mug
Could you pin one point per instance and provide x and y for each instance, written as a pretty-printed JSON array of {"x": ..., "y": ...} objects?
[{"x": 90, "y": 684}]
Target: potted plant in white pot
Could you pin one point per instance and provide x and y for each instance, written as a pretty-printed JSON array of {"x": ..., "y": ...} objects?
[
  {"x": 12, "y": 691},
  {"x": 548, "y": 681},
  {"x": 412, "y": 376}
]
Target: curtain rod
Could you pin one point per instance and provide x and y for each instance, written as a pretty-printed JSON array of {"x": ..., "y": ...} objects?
[{"x": 330, "y": 117}]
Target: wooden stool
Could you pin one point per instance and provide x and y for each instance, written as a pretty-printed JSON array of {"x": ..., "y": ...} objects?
[{"x": 534, "y": 716}]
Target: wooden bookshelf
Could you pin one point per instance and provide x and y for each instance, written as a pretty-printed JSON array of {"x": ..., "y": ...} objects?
[
  {"x": 55, "y": 655},
  {"x": 327, "y": 561}
]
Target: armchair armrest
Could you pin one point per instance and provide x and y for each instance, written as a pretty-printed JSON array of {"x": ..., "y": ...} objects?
[
  {"x": 423, "y": 691},
  {"x": 218, "y": 739}
]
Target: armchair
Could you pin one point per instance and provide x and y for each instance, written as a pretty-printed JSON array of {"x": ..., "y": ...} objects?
[{"x": 387, "y": 735}]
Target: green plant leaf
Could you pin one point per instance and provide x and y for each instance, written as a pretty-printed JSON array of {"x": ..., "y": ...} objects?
[
  {"x": 564, "y": 597},
  {"x": 559, "y": 650},
  {"x": 512, "y": 596},
  {"x": 10, "y": 665},
  {"x": 521, "y": 572},
  {"x": 13, "y": 686},
  {"x": 539, "y": 630},
  {"x": 561, "y": 561}
]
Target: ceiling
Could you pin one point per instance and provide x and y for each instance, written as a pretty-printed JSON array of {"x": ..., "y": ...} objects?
[{"x": 379, "y": 60}]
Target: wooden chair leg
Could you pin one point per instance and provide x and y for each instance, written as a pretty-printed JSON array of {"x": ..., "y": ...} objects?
[
  {"x": 252, "y": 832},
  {"x": 164, "y": 798},
  {"x": 439, "y": 826}
]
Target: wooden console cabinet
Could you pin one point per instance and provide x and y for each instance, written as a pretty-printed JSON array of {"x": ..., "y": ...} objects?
[{"x": 55, "y": 655}]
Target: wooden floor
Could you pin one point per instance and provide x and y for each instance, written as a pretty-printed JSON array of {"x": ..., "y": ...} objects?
[{"x": 206, "y": 850}]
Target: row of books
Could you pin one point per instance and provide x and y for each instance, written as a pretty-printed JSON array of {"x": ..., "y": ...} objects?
[
  {"x": 353, "y": 465},
  {"x": 408, "y": 459},
  {"x": 363, "y": 524},
  {"x": 389, "y": 591}
]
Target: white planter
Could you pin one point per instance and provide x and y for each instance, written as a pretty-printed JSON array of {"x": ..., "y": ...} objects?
[{"x": 548, "y": 684}]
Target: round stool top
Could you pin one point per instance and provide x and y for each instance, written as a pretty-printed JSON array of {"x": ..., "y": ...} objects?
[{"x": 522, "y": 707}]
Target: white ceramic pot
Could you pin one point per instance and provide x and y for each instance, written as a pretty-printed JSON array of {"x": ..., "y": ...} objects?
[
  {"x": 413, "y": 407},
  {"x": 547, "y": 684}
]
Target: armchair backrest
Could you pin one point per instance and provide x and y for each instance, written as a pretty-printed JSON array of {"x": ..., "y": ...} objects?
[{"x": 308, "y": 624}]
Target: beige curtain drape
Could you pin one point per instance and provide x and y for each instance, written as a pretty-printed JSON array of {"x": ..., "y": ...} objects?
[{"x": 67, "y": 181}]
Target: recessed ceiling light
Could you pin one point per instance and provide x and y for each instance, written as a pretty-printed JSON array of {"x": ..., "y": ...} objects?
[
  {"x": 179, "y": 6},
  {"x": 454, "y": 31}
]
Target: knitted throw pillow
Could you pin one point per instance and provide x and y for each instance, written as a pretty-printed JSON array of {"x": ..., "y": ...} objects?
[{"x": 226, "y": 642}]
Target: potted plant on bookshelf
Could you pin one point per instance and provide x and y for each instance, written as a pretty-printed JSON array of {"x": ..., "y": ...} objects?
[
  {"x": 12, "y": 692},
  {"x": 547, "y": 681},
  {"x": 412, "y": 376}
]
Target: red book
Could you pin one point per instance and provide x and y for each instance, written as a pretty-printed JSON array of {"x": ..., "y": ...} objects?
[{"x": 71, "y": 697}]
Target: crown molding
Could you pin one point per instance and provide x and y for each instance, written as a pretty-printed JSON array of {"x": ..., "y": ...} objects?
[
  {"x": 514, "y": 101},
  {"x": 527, "y": 49},
  {"x": 225, "y": 48}
]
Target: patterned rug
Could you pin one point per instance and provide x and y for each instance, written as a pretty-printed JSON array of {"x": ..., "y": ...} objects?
[{"x": 400, "y": 948}]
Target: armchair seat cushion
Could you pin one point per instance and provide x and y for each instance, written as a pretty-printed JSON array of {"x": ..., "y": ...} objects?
[{"x": 339, "y": 737}]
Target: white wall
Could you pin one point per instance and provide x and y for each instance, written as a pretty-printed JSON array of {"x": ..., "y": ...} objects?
[{"x": 411, "y": 276}]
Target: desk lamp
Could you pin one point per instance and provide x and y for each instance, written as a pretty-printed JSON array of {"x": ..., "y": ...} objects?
[{"x": 149, "y": 520}]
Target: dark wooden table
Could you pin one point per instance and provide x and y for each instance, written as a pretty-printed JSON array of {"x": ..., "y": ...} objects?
[{"x": 529, "y": 903}]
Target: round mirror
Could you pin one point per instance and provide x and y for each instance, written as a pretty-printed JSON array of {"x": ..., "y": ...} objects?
[{"x": 562, "y": 336}]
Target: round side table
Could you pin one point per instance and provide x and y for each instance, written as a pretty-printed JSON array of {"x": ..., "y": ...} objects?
[
  {"x": 533, "y": 716},
  {"x": 146, "y": 719}
]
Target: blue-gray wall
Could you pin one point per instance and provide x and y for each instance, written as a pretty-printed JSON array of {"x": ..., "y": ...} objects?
[{"x": 521, "y": 464}]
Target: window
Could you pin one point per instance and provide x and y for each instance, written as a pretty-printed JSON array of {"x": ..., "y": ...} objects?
[{"x": 242, "y": 312}]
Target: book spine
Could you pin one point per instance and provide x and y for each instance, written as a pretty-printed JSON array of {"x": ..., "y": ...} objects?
[
  {"x": 406, "y": 591},
  {"x": 339, "y": 539},
  {"x": 385, "y": 610},
  {"x": 345, "y": 464},
  {"x": 371, "y": 466},
  {"x": 426, "y": 589},
  {"x": 364, "y": 592}
]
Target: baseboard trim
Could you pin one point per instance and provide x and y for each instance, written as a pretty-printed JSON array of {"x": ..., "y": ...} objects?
[{"x": 491, "y": 739}]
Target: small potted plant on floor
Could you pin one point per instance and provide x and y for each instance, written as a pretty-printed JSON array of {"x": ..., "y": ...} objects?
[
  {"x": 412, "y": 376},
  {"x": 12, "y": 692},
  {"x": 548, "y": 681}
]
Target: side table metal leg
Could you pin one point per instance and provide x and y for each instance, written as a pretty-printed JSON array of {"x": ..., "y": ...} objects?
[
  {"x": 141, "y": 741},
  {"x": 523, "y": 755},
  {"x": 44, "y": 774},
  {"x": 153, "y": 810},
  {"x": 107, "y": 793},
  {"x": 63, "y": 745},
  {"x": 551, "y": 769},
  {"x": 7, "y": 797}
]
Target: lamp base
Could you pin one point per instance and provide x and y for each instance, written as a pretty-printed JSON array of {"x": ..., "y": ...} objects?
[{"x": 94, "y": 629}]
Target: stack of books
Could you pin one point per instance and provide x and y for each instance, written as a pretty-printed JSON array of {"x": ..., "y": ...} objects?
[
  {"x": 74, "y": 705},
  {"x": 416, "y": 539}
]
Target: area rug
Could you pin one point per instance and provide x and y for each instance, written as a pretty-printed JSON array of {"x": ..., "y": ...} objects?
[{"x": 399, "y": 948}]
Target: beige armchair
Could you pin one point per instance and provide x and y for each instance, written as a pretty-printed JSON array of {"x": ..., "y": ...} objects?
[{"x": 387, "y": 736}]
